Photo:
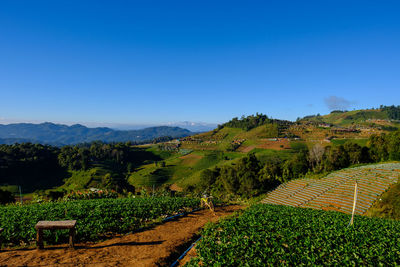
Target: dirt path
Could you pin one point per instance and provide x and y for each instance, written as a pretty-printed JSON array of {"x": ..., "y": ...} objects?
[{"x": 156, "y": 246}]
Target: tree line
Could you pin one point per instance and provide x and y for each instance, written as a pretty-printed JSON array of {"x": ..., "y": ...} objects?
[
  {"x": 392, "y": 111},
  {"x": 252, "y": 121},
  {"x": 36, "y": 166},
  {"x": 30, "y": 165}
]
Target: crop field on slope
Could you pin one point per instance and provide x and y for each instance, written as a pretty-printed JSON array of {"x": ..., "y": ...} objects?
[
  {"x": 96, "y": 218},
  {"x": 182, "y": 170},
  {"x": 335, "y": 191},
  {"x": 279, "y": 235},
  {"x": 191, "y": 159},
  {"x": 278, "y": 144}
]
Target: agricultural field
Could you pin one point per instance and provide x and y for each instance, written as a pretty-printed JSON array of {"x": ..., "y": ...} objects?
[
  {"x": 245, "y": 141},
  {"x": 335, "y": 191},
  {"x": 359, "y": 117},
  {"x": 96, "y": 218},
  {"x": 268, "y": 137},
  {"x": 281, "y": 235},
  {"x": 180, "y": 169}
]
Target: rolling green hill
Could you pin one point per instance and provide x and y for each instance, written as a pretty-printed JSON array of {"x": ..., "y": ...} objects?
[
  {"x": 182, "y": 169},
  {"x": 226, "y": 144},
  {"x": 384, "y": 117}
]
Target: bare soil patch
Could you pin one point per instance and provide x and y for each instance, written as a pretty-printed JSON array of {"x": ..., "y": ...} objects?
[
  {"x": 280, "y": 144},
  {"x": 175, "y": 187},
  {"x": 157, "y": 246},
  {"x": 191, "y": 159},
  {"x": 246, "y": 149}
]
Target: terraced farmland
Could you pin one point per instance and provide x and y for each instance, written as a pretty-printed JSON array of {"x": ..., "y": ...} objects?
[{"x": 335, "y": 191}]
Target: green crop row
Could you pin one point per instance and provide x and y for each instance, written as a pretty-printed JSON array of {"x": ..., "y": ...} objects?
[
  {"x": 95, "y": 218},
  {"x": 280, "y": 235}
]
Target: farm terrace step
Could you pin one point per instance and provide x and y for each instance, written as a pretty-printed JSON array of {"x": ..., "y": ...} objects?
[{"x": 336, "y": 190}]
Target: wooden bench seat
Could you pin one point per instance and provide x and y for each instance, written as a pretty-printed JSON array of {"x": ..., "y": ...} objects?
[{"x": 54, "y": 225}]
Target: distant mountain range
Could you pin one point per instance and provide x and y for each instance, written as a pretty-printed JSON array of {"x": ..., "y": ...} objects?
[
  {"x": 59, "y": 134},
  {"x": 194, "y": 126},
  {"x": 190, "y": 125}
]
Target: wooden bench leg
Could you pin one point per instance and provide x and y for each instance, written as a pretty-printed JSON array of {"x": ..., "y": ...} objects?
[
  {"x": 71, "y": 237},
  {"x": 39, "y": 239}
]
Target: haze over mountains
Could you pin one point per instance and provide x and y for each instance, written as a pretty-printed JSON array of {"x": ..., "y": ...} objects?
[
  {"x": 59, "y": 134},
  {"x": 193, "y": 126},
  {"x": 189, "y": 125}
]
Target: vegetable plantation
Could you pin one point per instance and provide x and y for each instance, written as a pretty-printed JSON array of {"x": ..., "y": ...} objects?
[
  {"x": 96, "y": 218},
  {"x": 336, "y": 190},
  {"x": 281, "y": 235}
]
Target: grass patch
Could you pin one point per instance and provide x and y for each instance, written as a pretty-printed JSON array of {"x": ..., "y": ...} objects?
[
  {"x": 264, "y": 154},
  {"x": 388, "y": 205},
  {"x": 360, "y": 142}
]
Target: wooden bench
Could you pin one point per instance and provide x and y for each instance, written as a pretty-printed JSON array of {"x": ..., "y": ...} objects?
[{"x": 54, "y": 225}]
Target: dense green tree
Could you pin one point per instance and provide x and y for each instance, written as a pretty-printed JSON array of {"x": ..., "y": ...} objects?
[
  {"x": 31, "y": 166},
  {"x": 392, "y": 111},
  {"x": 247, "y": 177},
  {"x": 229, "y": 180},
  {"x": 385, "y": 146},
  {"x": 247, "y": 171},
  {"x": 335, "y": 158},
  {"x": 378, "y": 147},
  {"x": 295, "y": 167},
  {"x": 208, "y": 178},
  {"x": 271, "y": 173},
  {"x": 354, "y": 152},
  {"x": 252, "y": 121},
  {"x": 394, "y": 145}
]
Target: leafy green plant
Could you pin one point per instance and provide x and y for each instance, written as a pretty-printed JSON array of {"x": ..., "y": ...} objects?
[
  {"x": 279, "y": 235},
  {"x": 95, "y": 218}
]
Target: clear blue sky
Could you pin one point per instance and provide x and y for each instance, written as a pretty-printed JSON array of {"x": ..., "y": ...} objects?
[{"x": 161, "y": 61}]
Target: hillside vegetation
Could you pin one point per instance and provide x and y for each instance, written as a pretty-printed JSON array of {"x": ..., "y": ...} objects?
[
  {"x": 385, "y": 117},
  {"x": 242, "y": 158}
]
